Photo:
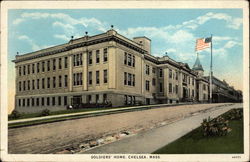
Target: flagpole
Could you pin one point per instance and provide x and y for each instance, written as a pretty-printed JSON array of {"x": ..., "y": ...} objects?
[{"x": 211, "y": 71}]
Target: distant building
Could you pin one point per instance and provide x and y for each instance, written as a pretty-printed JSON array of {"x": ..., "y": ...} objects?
[{"x": 101, "y": 68}]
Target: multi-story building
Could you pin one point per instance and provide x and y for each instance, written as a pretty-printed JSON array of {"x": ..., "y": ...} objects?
[{"x": 100, "y": 68}]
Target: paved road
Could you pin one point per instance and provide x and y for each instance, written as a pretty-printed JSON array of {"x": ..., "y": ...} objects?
[{"x": 149, "y": 141}]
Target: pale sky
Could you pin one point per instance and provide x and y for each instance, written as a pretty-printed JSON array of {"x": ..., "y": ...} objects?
[{"x": 171, "y": 30}]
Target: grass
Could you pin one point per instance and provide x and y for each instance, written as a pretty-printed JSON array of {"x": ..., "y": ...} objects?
[
  {"x": 195, "y": 143},
  {"x": 38, "y": 114}
]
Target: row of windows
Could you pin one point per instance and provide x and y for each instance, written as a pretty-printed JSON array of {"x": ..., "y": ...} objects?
[
  {"x": 129, "y": 79},
  {"x": 43, "y": 66},
  {"x": 129, "y": 100},
  {"x": 187, "y": 79},
  {"x": 129, "y": 59},
  {"x": 43, "y": 101},
  {"x": 97, "y": 74},
  {"x": 31, "y": 83},
  {"x": 97, "y": 56},
  {"x": 97, "y": 98}
]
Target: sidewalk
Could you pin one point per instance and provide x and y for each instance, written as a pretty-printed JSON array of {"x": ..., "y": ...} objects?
[{"x": 150, "y": 141}]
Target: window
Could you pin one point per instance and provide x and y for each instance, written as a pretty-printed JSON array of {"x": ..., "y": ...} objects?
[
  {"x": 170, "y": 87},
  {"x": 204, "y": 87},
  {"x": 105, "y": 55},
  {"x": 53, "y": 101},
  {"x": 77, "y": 79},
  {"x": 90, "y": 57},
  {"x": 48, "y": 82},
  {"x": 48, "y": 65},
  {"x": 24, "y": 70},
  {"x": 192, "y": 93},
  {"x": 125, "y": 58},
  {"x": 160, "y": 73},
  {"x": 176, "y": 88},
  {"x": 125, "y": 99},
  {"x": 38, "y": 67},
  {"x": 37, "y": 101},
  {"x": 28, "y": 102},
  {"x": 43, "y": 83},
  {"x": 19, "y": 102},
  {"x": 170, "y": 73},
  {"x": 37, "y": 83},
  {"x": 133, "y": 82},
  {"x": 176, "y": 76},
  {"x": 48, "y": 102},
  {"x": 129, "y": 60},
  {"x": 28, "y": 84},
  {"x": 147, "y": 69},
  {"x": 125, "y": 78},
  {"x": 60, "y": 63},
  {"x": 65, "y": 62},
  {"x": 33, "y": 68},
  {"x": 90, "y": 78},
  {"x": 60, "y": 81},
  {"x": 42, "y": 101},
  {"x": 28, "y": 69},
  {"x": 192, "y": 81},
  {"x": 65, "y": 80},
  {"x": 65, "y": 100},
  {"x": 77, "y": 60},
  {"x": 129, "y": 79},
  {"x": 97, "y": 56},
  {"x": 23, "y": 102},
  {"x": 97, "y": 98},
  {"x": 33, "y": 102},
  {"x": 33, "y": 84},
  {"x": 153, "y": 82},
  {"x": 24, "y": 85},
  {"x": 59, "y": 100},
  {"x": 20, "y": 86},
  {"x": 105, "y": 76},
  {"x": 54, "y": 64},
  {"x": 133, "y": 63},
  {"x": 153, "y": 70},
  {"x": 188, "y": 80},
  {"x": 161, "y": 87},
  {"x": 97, "y": 77},
  {"x": 104, "y": 97},
  {"x": 20, "y": 71},
  {"x": 54, "y": 82},
  {"x": 43, "y": 66},
  {"x": 147, "y": 85},
  {"x": 89, "y": 99}
]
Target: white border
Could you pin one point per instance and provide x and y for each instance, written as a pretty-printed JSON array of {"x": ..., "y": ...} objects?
[{"x": 5, "y": 5}]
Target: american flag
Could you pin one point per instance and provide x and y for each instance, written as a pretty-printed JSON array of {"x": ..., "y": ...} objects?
[{"x": 203, "y": 43}]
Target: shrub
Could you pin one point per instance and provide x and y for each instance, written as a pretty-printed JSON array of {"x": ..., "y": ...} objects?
[
  {"x": 45, "y": 112},
  {"x": 215, "y": 127},
  {"x": 235, "y": 114},
  {"x": 15, "y": 114}
]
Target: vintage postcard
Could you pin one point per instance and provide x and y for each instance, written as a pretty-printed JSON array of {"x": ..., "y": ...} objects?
[{"x": 124, "y": 81}]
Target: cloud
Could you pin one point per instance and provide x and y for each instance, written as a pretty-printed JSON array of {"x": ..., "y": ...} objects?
[
  {"x": 33, "y": 45},
  {"x": 62, "y": 36},
  {"x": 233, "y": 23}
]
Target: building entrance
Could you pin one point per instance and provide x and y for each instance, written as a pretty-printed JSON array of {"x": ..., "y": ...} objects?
[{"x": 76, "y": 100}]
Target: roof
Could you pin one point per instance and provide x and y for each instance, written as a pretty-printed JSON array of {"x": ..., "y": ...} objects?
[{"x": 197, "y": 64}]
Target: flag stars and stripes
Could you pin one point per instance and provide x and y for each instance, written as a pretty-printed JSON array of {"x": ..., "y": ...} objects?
[{"x": 203, "y": 43}]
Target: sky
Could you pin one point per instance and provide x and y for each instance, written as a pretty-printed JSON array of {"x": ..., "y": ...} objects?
[{"x": 171, "y": 30}]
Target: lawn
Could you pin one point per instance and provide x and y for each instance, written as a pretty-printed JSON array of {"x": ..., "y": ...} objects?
[
  {"x": 195, "y": 143},
  {"x": 38, "y": 114}
]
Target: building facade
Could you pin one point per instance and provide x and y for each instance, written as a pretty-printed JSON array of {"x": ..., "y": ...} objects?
[{"x": 105, "y": 67}]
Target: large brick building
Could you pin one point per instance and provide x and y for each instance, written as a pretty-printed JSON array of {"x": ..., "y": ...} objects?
[{"x": 104, "y": 67}]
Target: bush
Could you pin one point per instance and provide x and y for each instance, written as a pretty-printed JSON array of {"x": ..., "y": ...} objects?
[
  {"x": 215, "y": 127},
  {"x": 15, "y": 114},
  {"x": 45, "y": 112},
  {"x": 235, "y": 114}
]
